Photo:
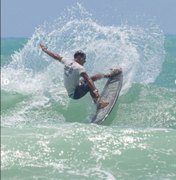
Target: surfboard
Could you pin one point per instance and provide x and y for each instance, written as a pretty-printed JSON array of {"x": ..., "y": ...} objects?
[{"x": 109, "y": 94}]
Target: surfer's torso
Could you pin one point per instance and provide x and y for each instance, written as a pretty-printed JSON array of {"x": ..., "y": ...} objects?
[{"x": 72, "y": 71}]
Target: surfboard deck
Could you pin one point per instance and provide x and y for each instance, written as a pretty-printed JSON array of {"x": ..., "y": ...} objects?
[{"x": 109, "y": 94}]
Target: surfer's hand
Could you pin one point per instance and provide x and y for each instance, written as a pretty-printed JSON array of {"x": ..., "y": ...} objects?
[
  {"x": 43, "y": 47},
  {"x": 120, "y": 69},
  {"x": 96, "y": 93}
]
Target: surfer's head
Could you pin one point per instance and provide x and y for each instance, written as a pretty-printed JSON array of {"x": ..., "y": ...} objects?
[{"x": 80, "y": 57}]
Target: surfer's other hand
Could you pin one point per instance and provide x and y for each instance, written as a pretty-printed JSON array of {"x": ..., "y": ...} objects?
[
  {"x": 120, "y": 69},
  {"x": 43, "y": 47},
  {"x": 96, "y": 93}
]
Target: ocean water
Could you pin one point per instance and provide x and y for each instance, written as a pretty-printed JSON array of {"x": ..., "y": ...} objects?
[{"x": 46, "y": 135}]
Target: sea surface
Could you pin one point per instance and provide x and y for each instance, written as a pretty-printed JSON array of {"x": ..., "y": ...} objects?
[{"x": 45, "y": 135}]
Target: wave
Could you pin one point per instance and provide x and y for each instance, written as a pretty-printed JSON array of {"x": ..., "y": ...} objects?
[
  {"x": 31, "y": 73},
  {"x": 143, "y": 106}
]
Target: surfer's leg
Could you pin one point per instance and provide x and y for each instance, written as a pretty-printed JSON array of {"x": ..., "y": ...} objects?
[
  {"x": 81, "y": 90},
  {"x": 113, "y": 73},
  {"x": 100, "y": 103},
  {"x": 97, "y": 76},
  {"x": 108, "y": 75}
]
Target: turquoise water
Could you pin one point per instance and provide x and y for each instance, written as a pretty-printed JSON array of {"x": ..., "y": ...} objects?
[{"x": 45, "y": 135}]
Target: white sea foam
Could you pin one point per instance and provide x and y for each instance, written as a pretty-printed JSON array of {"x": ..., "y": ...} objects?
[{"x": 138, "y": 51}]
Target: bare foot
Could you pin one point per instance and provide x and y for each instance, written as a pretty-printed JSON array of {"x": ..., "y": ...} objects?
[
  {"x": 113, "y": 72},
  {"x": 102, "y": 104}
]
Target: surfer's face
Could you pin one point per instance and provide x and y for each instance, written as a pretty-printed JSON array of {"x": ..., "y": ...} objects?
[{"x": 81, "y": 60}]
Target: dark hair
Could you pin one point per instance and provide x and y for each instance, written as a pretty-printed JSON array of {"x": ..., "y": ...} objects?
[{"x": 79, "y": 53}]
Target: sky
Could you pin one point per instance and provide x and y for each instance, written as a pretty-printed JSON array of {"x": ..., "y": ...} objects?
[{"x": 19, "y": 18}]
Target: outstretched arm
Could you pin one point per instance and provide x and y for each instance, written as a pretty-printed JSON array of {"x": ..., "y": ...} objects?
[{"x": 52, "y": 54}]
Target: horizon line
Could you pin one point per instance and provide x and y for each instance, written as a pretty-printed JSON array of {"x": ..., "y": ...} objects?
[{"x": 3, "y": 37}]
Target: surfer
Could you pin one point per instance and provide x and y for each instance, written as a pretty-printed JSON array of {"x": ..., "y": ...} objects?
[{"x": 76, "y": 80}]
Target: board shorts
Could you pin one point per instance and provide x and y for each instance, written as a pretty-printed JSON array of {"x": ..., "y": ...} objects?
[{"x": 81, "y": 90}]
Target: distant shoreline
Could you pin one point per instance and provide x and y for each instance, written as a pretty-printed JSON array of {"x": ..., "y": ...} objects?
[{"x": 167, "y": 34}]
